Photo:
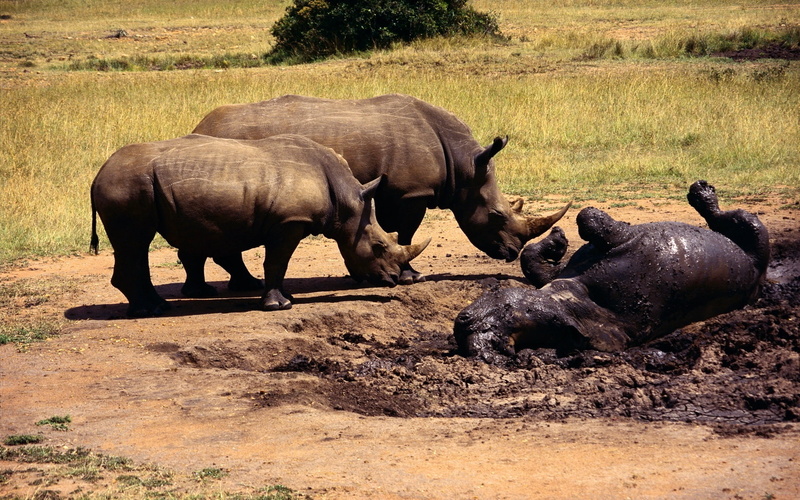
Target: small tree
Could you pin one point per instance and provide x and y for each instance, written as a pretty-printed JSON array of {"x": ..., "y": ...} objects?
[{"x": 314, "y": 29}]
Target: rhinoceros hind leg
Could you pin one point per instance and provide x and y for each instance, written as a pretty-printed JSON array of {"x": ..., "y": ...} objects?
[
  {"x": 241, "y": 279},
  {"x": 600, "y": 229},
  {"x": 131, "y": 274},
  {"x": 541, "y": 261},
  {"x": 195, "y": 285},
  {"x": 741, "y": 227}
]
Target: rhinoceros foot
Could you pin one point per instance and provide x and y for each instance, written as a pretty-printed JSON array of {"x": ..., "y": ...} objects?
[
  {"x": 541, "y": 261},
  {"x": 275, "y": 300}
]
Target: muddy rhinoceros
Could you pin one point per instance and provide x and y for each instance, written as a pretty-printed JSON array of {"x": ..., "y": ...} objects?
[
  {"x": 428, "y": 156},
  {"x": 627, "y": 285},
  {"x": 218, "y": 197}
]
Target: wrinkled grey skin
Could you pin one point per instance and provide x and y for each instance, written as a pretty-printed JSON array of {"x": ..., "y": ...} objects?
[
  {"x": 428, "y": 157},
  {"x": 627, "y": 285},
  {"x": 212, "y": 197}
]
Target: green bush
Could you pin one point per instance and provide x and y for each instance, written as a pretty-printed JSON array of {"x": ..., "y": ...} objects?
[{"x": 314, "y": 29}]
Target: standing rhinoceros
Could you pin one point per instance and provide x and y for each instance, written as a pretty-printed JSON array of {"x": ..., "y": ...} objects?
[
  {"x": 428, "y": 157},
  {"x": 218, "y": 197},
  {"x": 627, "y": 285}
]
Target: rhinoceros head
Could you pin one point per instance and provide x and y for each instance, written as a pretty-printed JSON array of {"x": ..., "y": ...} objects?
[
  {"x": 490, "y": 221},
  {"x": 373, "y": 254}
]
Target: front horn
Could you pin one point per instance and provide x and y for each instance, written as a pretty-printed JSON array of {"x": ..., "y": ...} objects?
[
  {"x": 538, "y": 225},
  {"x": 413, "y": 250}
]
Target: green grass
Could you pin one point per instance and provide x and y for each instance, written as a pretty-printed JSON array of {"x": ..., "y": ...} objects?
[
  {"x": 580, "y": 127},
  {"x": 59, "y": 423},
  {"x": 19, "y": 439}
]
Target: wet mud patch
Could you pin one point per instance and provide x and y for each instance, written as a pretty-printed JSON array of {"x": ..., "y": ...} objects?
[{"x": 736, "y": 371}]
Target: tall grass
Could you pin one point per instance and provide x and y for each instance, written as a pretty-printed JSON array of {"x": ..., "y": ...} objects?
[{"x": 577, "y": 128}]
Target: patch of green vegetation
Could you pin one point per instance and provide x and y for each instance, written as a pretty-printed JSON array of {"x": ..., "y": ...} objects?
[
  {"x": 23, "y": 335},
  {"x": 312, "y": 30},
  {"x": 19, "y": 439},
  {"x": 168, "y": 62},
  {"x": 210, "y": 473},
  {"x": 277, "y": 492},
  {"x": 33, "y": 292},
  {"x": 56, "y": 422}
]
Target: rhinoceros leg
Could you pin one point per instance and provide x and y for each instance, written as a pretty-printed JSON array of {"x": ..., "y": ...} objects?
[
  {"x": 279, "y": 247},
  {"x": 241, "y": 279},
  {"x": 541, "y": 262},
  {"x": 403, "y": 216},
  {"x": 195, "y": 285},
  {"x": 741, "y": 227},
  {"x": 132, "y": 273}
]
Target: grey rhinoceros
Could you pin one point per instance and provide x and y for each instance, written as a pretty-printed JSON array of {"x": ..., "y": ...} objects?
[
  {"x": 627, "y": 285},
  {"x": 428, "y": 156},
  {"x": 212, "y": 197}
]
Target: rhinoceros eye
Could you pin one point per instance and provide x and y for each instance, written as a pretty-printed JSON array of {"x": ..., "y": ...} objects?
[
  {"x": 379, "y": 249},
  {"x": 496, "y": 215}
]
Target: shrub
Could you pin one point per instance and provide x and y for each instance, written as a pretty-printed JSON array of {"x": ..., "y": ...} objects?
[{"x": 315, "y": 29}]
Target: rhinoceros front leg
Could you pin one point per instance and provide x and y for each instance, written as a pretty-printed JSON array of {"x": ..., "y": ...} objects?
[
  {"x": 404, "y": 217},
  {"x": 541, "y": 262},
  {"x": 279, "y": 247}
]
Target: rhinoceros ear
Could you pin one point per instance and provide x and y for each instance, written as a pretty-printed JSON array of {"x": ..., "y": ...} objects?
[
  {"x": 516, "y": 205},
  {"x": 370, "y": 188},
  {"x": 482, "y": 158}
]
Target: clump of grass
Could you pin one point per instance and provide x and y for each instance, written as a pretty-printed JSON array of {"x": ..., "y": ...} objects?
[
  {"x": 24, "y": 335},
  {"x": 210, "y": 473},
  {"x": 59, "y": 423},
  {"x": 19, "y": 439},
  {"x": 277, "y": 492}
]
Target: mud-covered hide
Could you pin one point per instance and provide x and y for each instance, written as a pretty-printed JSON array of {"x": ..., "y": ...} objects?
[{"x": 628, "y": 284}]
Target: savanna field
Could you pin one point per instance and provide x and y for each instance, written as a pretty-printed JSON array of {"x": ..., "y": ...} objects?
[{"x": 355, "y": 393}]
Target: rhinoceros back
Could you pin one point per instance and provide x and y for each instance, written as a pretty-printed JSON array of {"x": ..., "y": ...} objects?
[
  {"x": 416, "y": 145},
  {"x": 225, "y": 195}
]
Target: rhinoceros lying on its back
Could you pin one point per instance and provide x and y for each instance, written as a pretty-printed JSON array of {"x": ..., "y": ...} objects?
[
  {"x": 218, "y": 197},
  {"x": 627, "y": 285},
  {"x": 429, "y": 158}
]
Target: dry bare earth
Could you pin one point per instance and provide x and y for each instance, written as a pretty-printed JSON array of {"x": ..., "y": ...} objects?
[{"x": 356, "y": 392}]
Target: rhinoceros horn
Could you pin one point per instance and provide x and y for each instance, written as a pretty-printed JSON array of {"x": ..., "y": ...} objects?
[
  {"x": 414, "y": 249},
  {"x": 538, "y": 225}
]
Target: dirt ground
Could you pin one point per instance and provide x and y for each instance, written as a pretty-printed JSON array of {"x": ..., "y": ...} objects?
[{"x": 357, "y": 392}]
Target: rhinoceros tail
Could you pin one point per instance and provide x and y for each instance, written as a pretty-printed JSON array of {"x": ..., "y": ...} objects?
[{"x": 93, "y": 244}]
